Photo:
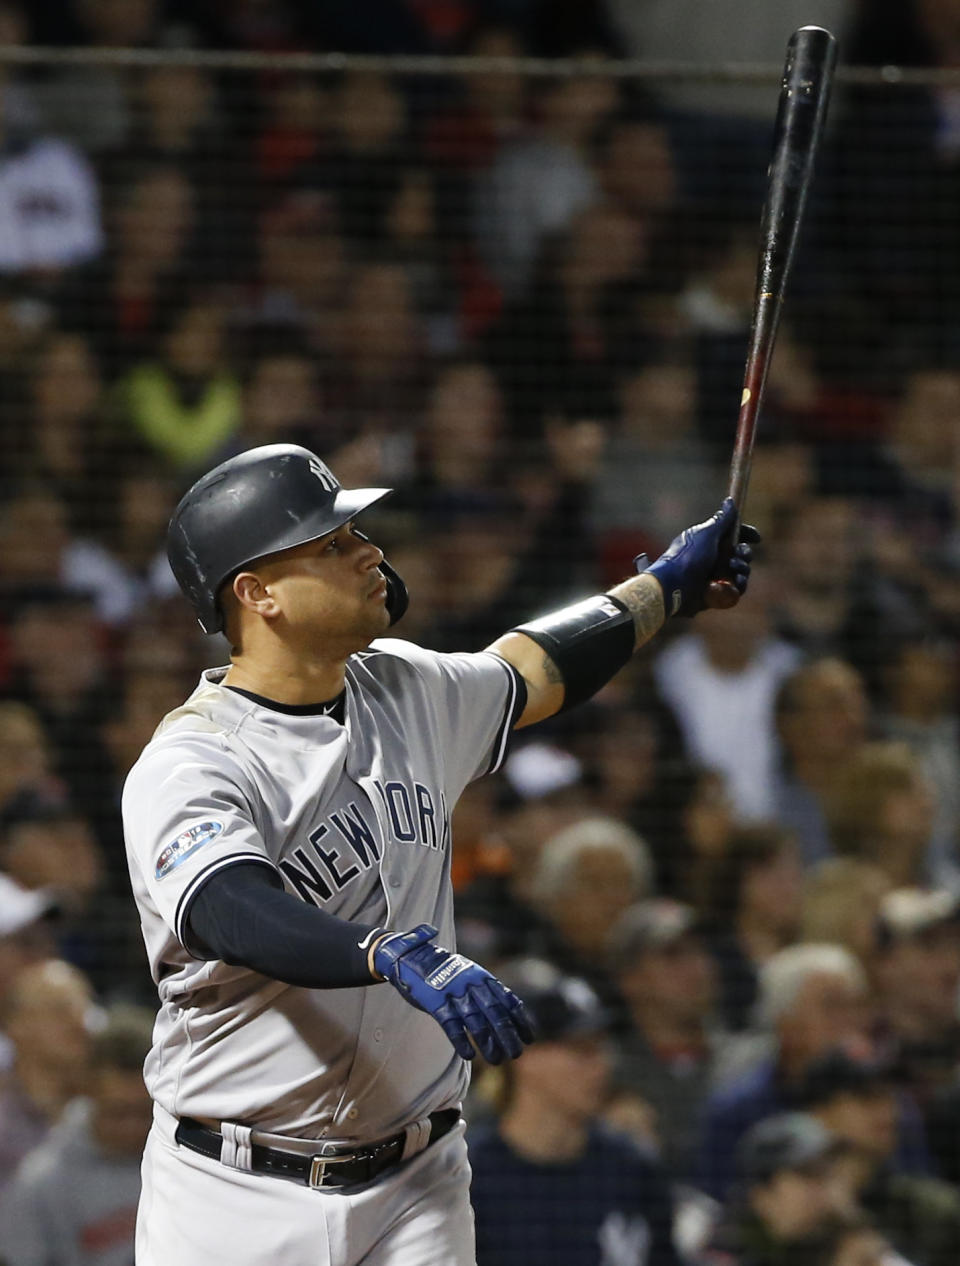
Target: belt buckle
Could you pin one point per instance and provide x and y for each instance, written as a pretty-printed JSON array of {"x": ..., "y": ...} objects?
[{"x": 319, "y": 1165}]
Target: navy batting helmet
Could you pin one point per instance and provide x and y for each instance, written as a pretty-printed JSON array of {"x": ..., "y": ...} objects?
[{"x": 260, "y": 502}]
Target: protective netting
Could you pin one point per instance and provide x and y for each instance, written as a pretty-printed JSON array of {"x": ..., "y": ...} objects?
[{"x": 519, "y": 294}]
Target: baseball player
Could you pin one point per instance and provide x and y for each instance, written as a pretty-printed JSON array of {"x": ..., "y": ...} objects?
[{"x": 288, "y": 837}]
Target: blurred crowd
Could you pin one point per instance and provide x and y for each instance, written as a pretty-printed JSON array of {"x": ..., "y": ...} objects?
[{"x": 730, "y": 884}]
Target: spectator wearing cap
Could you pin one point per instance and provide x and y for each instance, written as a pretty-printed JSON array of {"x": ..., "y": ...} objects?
[
  {"x": 813, "y": 997},
  {"x": 49, "y": 199},
  {"x": 785, "y": 1193},
  {"x": 551, "y": 1183},
  {"x": 540, "y": 792},
  {"x": 856, "y": 1099},
  {"x": 916, "y": 968},
  {"x": 74, "y": 1198},
  {"x": 45, "y": 1016},
  {"x": 668, "y": 1052},
  {"x": 25, "y": 939}
]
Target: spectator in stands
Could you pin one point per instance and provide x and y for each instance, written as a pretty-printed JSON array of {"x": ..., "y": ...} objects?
[
  {"x": 60, "y": 669},
  {"x": 715, "y": 304},
  {"x": 125, "y": 566},
  {"x": 667, "y": 1053},
  {"x": 881, "y": 810},
  {"x": 812, "y": 998},
  {"x": 36, "y": 548},
  {"x": 586, "y": 876},
  {"x": 47, "y": 847},
  {"x": 186, "y": 404},
  {"x": 462, "y": 434},
  {"x": 127, "y": 297},
  {"x": 487, "y": 110},
  {"x": 559, "y": 345},
  {"x": 26, "y": 938},
  {"x": 821, "y": 714},
  {"x": 377, "y": 382},
  {"x": 811, "y": 608},
  {"x": 58, "y": 441},
  {"x": 282, "y": 397},
  {"x": 540, "y": 182},
  {"x": 92, "y": 104},
  {"x": 917, "y": 972},
  {"x": 856, "y": 1100},
  {"x": 368, "y": 152},
  {"x": 25, "y": 758},
  {"x": 852, "y": 1240},
  {"x": 654, "y": 466},
  {"x": 626, "y": 750},
  {"x": 550, "y": 1182},
  {"x": 785, "y": 1194},
  {"x": 45, "y": 1017},
  {"x": 753, "y": 913},
  {"x": 920, "y": 681},
  {"x": 414, "y": 235},
  {"x": 638, "y": 171},
  {"x": 841, "y": 903},
  {"x": 701, "y": 802},
  {"x": 49, "y": 201},
  {"x": 74, "y": 1199},
  {"x": 541, "y": 792},
  {"x": 301, "y": 274},
  {"x": 721, "y": 683}
]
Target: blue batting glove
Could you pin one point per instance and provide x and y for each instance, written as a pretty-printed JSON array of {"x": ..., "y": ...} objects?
[
  {"x": 699, "y": 555},
  {"x": 463, "y": 997}
]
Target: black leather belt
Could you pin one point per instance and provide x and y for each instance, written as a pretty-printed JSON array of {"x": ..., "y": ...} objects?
[{"x": 333, "y": 1166}]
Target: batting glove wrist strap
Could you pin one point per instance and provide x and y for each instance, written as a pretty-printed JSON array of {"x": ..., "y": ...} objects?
[
  {"x": 700, "y": 554},
  {"x": 472, "y": 1007}
]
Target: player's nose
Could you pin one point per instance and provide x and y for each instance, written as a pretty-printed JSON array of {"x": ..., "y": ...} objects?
[{"x": 371, "y": 556}]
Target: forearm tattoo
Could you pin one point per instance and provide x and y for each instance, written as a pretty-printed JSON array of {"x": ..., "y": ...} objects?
[
  {"x": 644, "y": 599},
  {"x": 552, "y": 673}
]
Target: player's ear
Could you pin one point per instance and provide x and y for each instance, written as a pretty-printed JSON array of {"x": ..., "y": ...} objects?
[{"x": 252, "y": 594}]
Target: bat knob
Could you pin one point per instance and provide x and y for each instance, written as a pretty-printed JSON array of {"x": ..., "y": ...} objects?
[{"x": 722, "y": 595}]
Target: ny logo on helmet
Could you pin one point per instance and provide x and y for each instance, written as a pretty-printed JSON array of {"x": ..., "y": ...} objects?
[{"x": 323, "y": 473}]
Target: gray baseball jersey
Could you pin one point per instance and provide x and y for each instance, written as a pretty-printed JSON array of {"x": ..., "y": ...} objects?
[{"x": 355, "y": 818}]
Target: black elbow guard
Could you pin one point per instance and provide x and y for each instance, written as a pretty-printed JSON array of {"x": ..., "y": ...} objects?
[{"x": 589, "y": 643}]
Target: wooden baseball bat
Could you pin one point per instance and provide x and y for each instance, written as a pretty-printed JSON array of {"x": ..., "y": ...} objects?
[{"x": 804, "y": 94}]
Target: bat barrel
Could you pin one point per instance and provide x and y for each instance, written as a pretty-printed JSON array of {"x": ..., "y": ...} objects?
[{"x": 804, "y": 96}]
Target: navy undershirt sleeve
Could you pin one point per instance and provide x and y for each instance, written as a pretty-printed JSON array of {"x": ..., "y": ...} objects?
[{"x": 243, "y": 916}]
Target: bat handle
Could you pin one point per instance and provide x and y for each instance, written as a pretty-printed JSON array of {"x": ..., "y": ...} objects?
[{"x": 722, "y": 594}]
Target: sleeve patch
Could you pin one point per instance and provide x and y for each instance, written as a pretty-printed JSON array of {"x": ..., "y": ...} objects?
[{"x": 185, "y": 845}]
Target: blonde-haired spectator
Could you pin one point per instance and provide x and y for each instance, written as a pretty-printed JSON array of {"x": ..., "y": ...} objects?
[
  {"x": 881, "y": 810},
  {"x": 841, "y": 901}
]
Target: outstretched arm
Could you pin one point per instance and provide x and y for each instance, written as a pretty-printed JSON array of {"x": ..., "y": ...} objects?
[
  {"x": 643, "y": 597},
  {"x": 567, "y": 656}
]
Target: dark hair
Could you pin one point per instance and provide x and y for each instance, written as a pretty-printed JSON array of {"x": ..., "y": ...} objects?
[{"x": 748, "y": 849}]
